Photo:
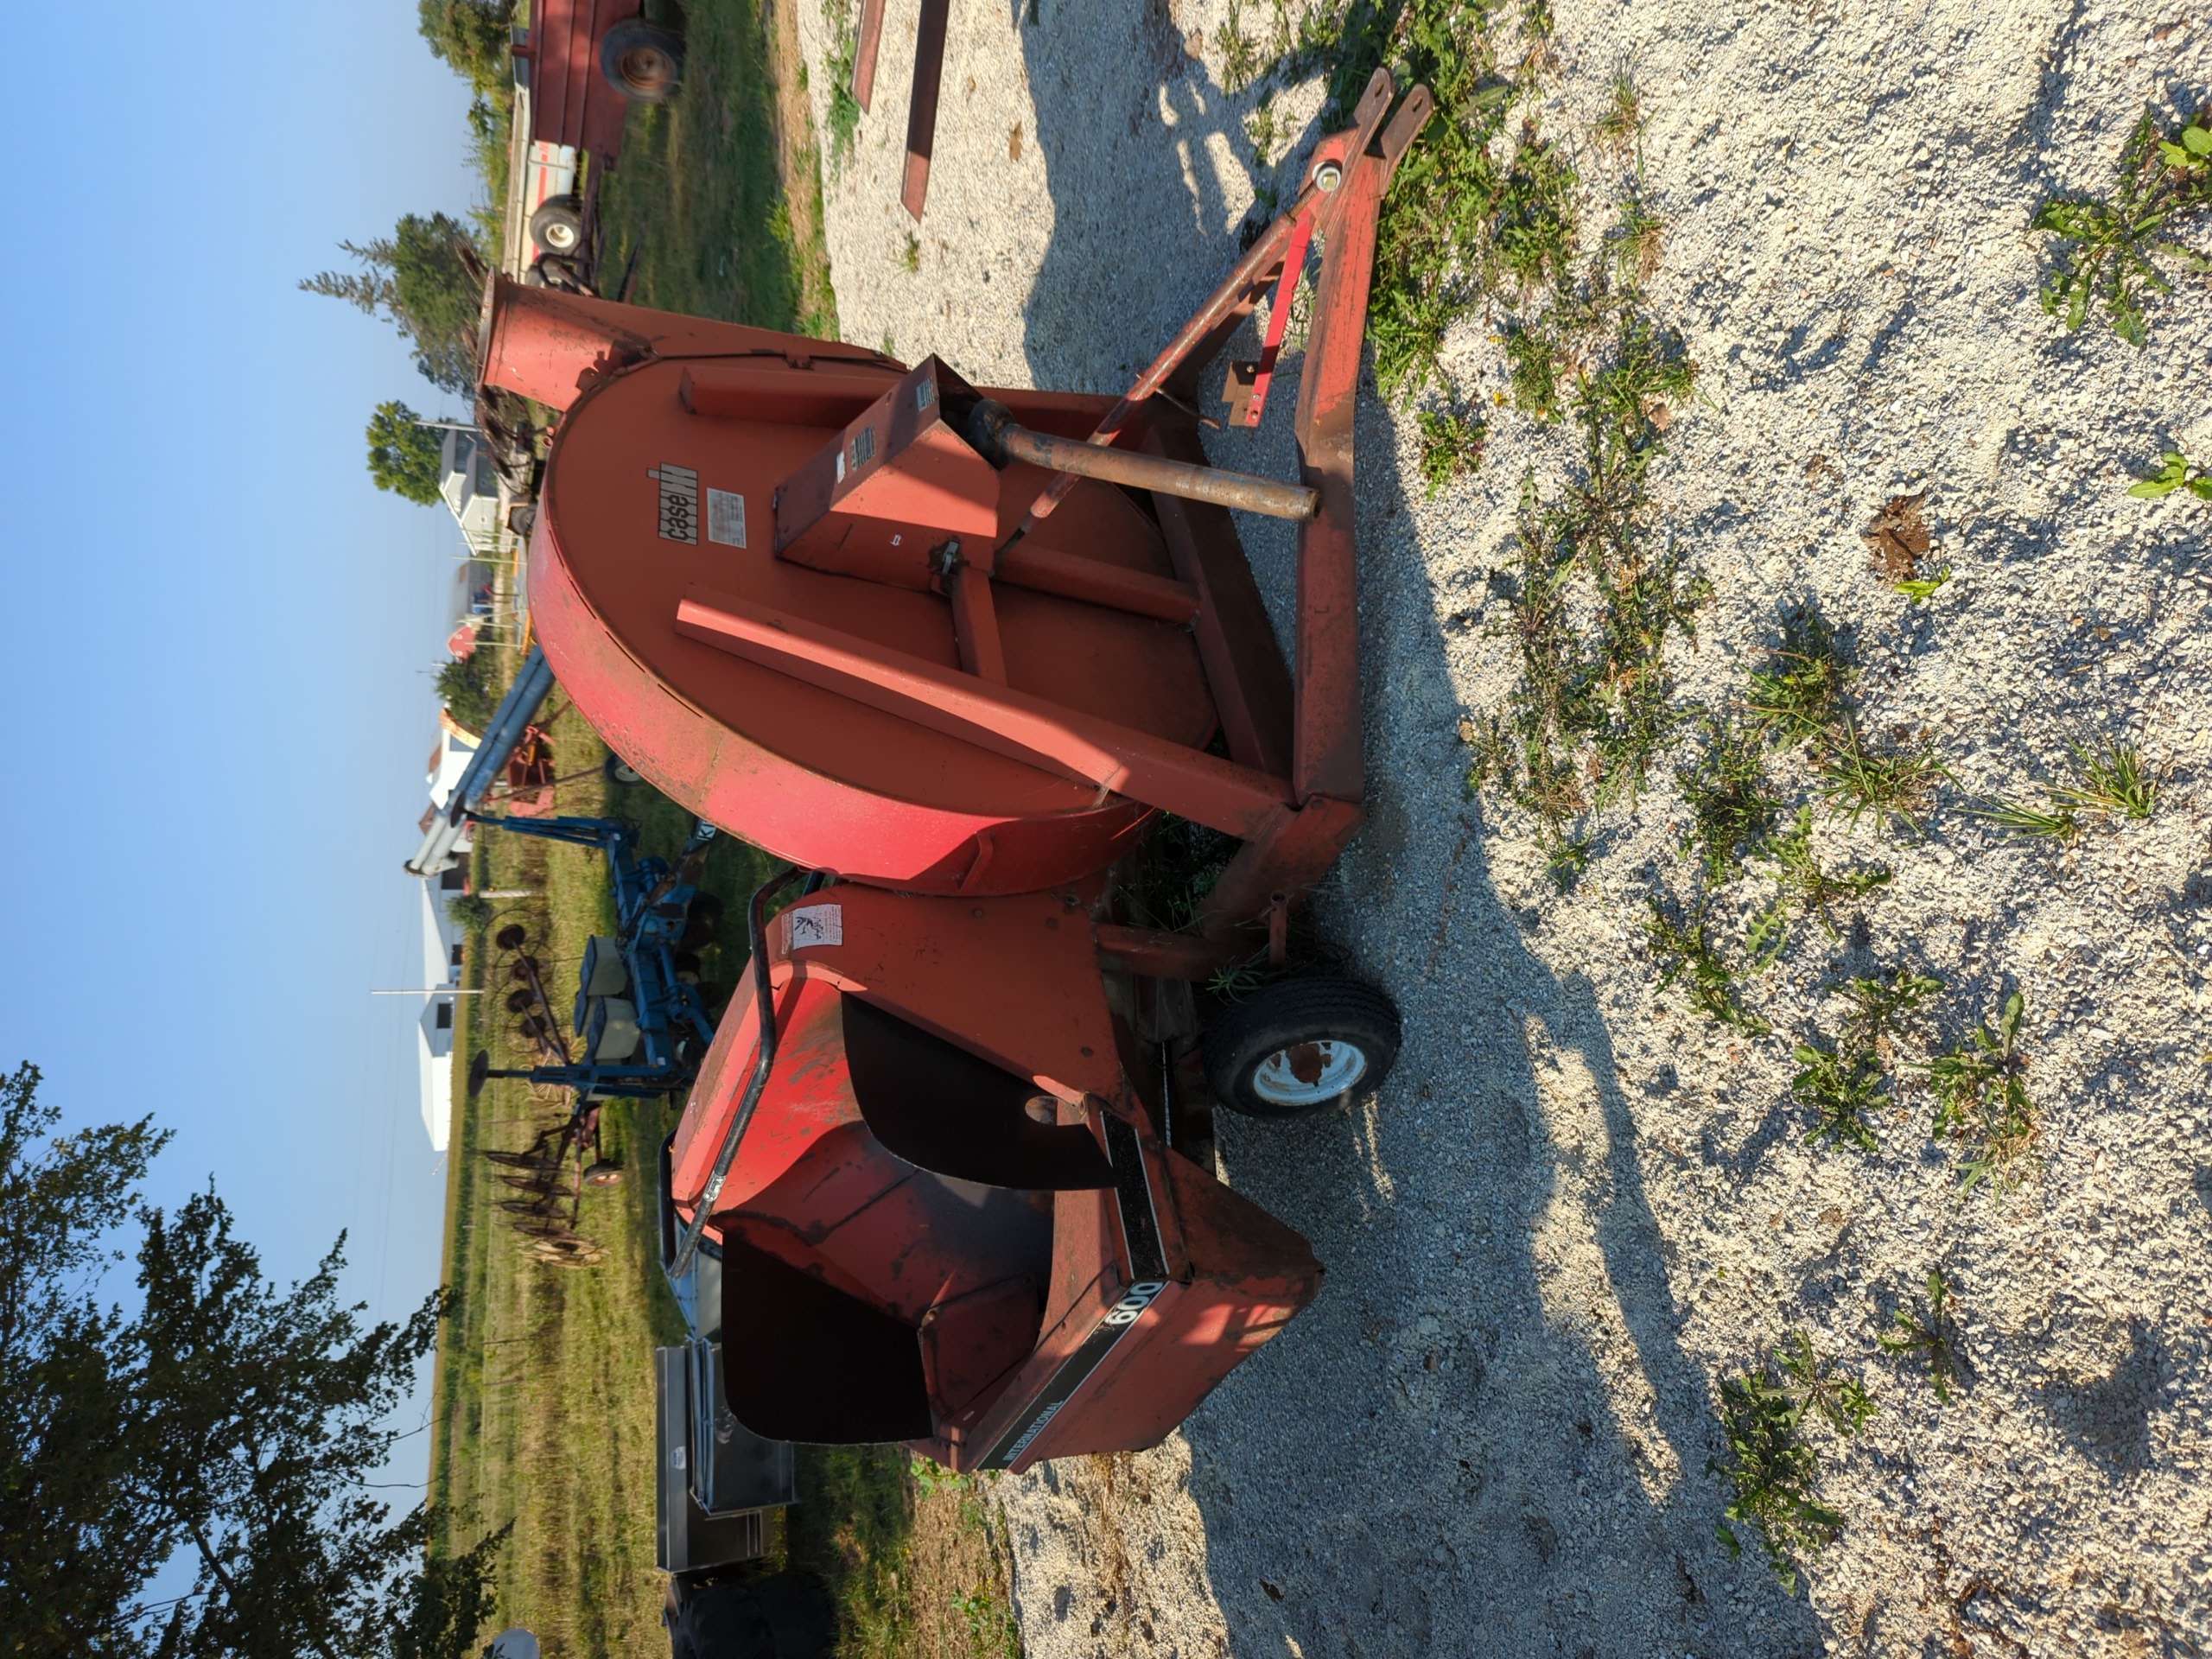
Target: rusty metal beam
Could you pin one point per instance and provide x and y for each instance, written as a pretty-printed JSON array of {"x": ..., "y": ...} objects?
[
  {"x": 1165, "y": 955},
  {"x": 921, "y": 112},
  {"x": 1073, "y": 577},
  {"x": 864, "y": 50},
  {"x": 1137, "y": 764}
]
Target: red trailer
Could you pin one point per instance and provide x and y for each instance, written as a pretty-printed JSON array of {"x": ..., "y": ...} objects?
[
  {"x": 960, "y": 645},
  {"x": 587, "y": 59}
]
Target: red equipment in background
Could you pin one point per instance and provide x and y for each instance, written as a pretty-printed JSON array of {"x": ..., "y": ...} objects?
[
  {"x": 963, "y": 643},
  {"x": 588, "y": 60}
]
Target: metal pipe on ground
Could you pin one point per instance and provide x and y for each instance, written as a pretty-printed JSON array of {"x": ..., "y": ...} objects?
[{"x": 995, "y": 434}]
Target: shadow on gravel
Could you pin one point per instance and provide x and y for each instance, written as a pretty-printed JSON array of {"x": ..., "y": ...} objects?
[{"x": 1484, "y": 1438}]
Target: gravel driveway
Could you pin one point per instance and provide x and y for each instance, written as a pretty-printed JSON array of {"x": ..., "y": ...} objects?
[{"x": 1578, "y": 1205}]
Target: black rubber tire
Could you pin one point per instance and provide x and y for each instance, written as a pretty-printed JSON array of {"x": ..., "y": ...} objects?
[
  {"x": 642, "y": 60},
  {"x": 620, "y": 773},
  {"x": 700, "y": 924},
  {"x": 783, "y": 1615},
  {"x": 557, "y": 226},
  {"x": 603, "y": 1173},
  {"x": 1289, "y": 1015}
]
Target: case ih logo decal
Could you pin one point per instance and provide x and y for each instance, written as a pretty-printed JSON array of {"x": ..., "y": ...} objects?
[{"x": 679, "y": 502}]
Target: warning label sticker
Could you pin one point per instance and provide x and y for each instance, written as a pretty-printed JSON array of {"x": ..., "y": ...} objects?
[
  {"x": 726, "y": 518},
  {"x": 815, "y": 925}
]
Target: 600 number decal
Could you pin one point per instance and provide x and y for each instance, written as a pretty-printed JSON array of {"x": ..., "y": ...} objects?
[{"x": 1125, "y": 1312}]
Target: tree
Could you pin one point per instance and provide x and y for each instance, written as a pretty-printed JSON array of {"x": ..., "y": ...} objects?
[
  {"x": 230, "y": 1420},
  {"x": 466, "y": 688},
  {"x": 472, "y": 36},
  {"x": 427, "y": 278},
  {"x": 405, "y": 455},
  {"x": 70, "y": 1553}
]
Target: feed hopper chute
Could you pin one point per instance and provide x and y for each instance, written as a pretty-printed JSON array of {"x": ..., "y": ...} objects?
[{"x": 952, "y": 1221}]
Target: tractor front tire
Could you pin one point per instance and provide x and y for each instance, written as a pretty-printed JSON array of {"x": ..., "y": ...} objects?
[
  {"x": 1302, "y": 1046},
  {"x": 642, "y": 60}
]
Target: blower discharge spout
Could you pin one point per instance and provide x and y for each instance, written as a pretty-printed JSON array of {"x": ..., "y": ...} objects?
[{"x": 999, "y": 438}]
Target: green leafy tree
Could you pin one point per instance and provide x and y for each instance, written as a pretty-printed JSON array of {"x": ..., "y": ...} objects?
[
  {"x": 427, "y": 278},
  {"x": 403, "y": 454},
  {"x": 472, "y": 37},
  {"x": 71, "y": 1550},
  {"x": 466, "y": 688},
  {"x": 232, "y": 1424}
]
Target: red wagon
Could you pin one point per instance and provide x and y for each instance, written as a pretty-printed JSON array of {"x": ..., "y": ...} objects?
[{"x": 960, "y": 645}]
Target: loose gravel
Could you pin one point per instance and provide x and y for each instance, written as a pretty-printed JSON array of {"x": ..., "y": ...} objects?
[{"x": 1577, "y": 1207}]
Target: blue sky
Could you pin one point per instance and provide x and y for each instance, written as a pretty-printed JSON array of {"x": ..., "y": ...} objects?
[{"x": 216, "y": 635}]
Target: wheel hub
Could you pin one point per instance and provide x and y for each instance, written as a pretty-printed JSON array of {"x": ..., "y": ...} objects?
[{"x": 1306, "y": 1074}]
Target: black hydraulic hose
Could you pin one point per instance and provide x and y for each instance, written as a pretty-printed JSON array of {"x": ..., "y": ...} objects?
[{"x": 764, "y": 1057}]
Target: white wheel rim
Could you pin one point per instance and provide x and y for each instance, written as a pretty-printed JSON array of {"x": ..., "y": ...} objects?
[
  {"x": 559, "y": 236},
  {"x": 1306, "y": 1074}
]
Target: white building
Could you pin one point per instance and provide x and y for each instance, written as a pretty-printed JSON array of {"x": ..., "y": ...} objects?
[
  {"x": 441, "y": 949},
  {"x": 471, "y": 488}
]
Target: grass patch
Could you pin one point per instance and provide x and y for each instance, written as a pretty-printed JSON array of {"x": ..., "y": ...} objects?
[
  {"x": 1771, "y": 1466},
  {"x": 1451, "y": 447},
  {"x": 1894, "y": 781},
  {"x": 1798, "y": 694},
  {"x": 2109, "y": 782},
  {"x": 1930, "y": 1332},
  {"x": 701, "y": 194},
  {"x": 2110, "y": 246},
  {"x": 542, "y": 1404},
  {"x": 1982, "y": 1102}
]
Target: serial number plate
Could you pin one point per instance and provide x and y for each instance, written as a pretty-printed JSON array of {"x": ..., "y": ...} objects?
[{"x": 679, "y": 504}]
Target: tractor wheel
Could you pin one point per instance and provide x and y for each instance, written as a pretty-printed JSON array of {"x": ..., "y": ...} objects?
[
  {"x": 603, "y": 1173},
  {"x": 621, "y": 774},
  {"x": 642, "y": 60},
  {"x": 1302, "y": 1046},
  {"x": 783, "y": 1615},
  {"x": 700, "y": 923},
  {"x": 558, "y": 225}
]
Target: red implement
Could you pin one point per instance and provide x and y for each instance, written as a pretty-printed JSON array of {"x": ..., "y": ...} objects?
[{"x": 953, "y": 1222}]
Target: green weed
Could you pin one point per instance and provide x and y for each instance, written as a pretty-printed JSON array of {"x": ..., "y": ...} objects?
[
  {"x": 1732, "y": 805},
  {"x": 1893, "y": 781},
  {"x": 1800, "y": 693},
  {"x": 1921, "y": 589},
  {"x": 2057, "y": 823},
  {"x": 1683, "y": 949},
  {"x": 1771, "y": 1466},
  {"x": 1841, "y": 1087},
  {"x": 1622, "y": 124},
  {"x": 844, "y": 108},
  {"x": 2110, "y": 248},
  {"x": 993, "y": 1630},
  {"x": 1817, "y": 891},
  {"x": 2110, "y": 782},
  {"x": 1260, "y": 128},
  {"x": 1879, "y": 1012},
  {"x": 910, "y": 256},
  {"x": 2175, "y": 472},
  {"x": 1639, "y": 243},
  {"x": 2113, "y": 783},
  {"x": 1928, "y": 1331},
  {"x": 1451, "y": 447},
  {"x": 1240, "y": 52},
  {"x": 1981, "y": 1099}
]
